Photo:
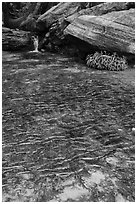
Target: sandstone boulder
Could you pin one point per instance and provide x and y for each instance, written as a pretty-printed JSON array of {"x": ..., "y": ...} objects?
[
  {"x": 58, "y": 12},
  {"x": 113, "y": 31},
  {"x": 15, "y": 40},
  {"x": 102, "y": 9}
]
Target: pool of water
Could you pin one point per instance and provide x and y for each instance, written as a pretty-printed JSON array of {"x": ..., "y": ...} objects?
[{"x": 67, "y": 131}]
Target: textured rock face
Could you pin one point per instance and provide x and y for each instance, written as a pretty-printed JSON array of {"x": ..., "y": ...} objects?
[
  {"x": 96, "y": 34},
  {"x": 102, "y": 9},
  {"x": 113, "y": 31},
  {"x": 15, "y": 39},
  {"x": 126, "y": 17},
  {"x": 60, "y": 11}
]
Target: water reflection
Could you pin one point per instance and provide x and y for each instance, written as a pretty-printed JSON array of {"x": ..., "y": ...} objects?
[{"x": 61, "y": 138}]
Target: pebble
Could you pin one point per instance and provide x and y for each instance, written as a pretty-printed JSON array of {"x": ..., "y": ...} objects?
[{"x": 27, "y": 176}]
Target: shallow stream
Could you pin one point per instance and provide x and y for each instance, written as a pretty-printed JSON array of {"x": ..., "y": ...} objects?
[{"x": 67, "y": 131}]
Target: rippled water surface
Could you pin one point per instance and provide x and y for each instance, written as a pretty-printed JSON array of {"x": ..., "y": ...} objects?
[{"x": 67, "y": 130}]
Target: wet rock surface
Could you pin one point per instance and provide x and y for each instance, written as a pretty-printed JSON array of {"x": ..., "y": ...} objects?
[
  {"x": 16, "y": 40},
  {"x": 67, "y": 130}
]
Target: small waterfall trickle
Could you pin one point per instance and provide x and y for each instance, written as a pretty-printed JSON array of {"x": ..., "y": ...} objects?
[{"x": 35, "y": 43}]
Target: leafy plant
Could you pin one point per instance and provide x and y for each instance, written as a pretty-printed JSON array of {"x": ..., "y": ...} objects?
[{"x": 105, "y": 61}]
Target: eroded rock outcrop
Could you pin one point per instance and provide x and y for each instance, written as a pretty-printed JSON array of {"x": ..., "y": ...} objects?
[
  {"x": 102, "y": 9},
  {"x": 58, "y": 12},
  {"x": 113, "y": 31},
  {"x": 61, "y": 11},
  {"x": 63, "y": 19},
  {"x": 15, "y": 39},
  {"x": 73, "y": 23}
]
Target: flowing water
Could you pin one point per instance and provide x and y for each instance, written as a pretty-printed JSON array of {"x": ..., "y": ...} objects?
[
  {"x": 36, "y": 44},
  {"x": 67, "y": 130}
]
